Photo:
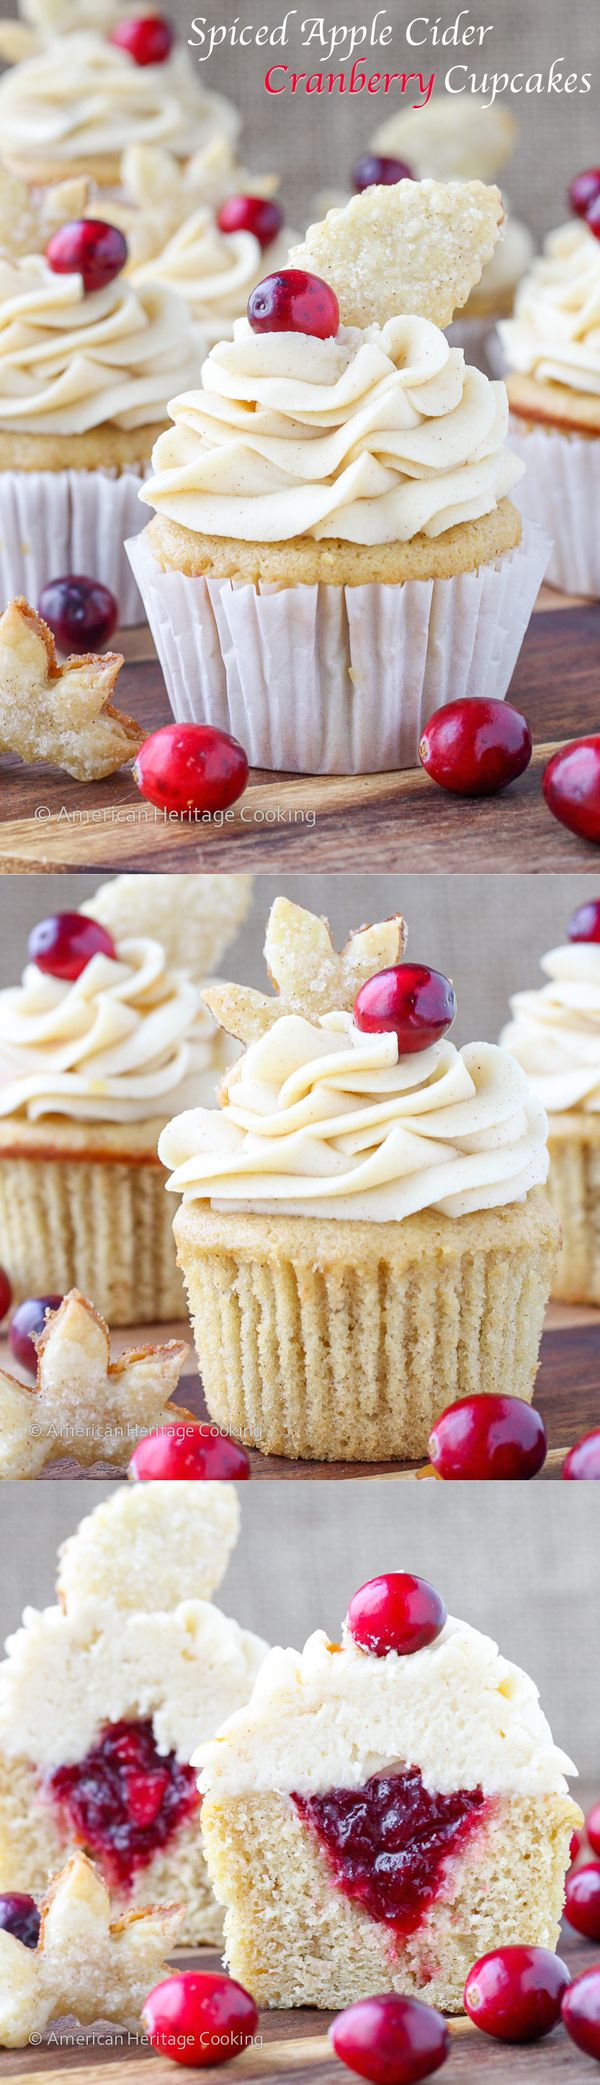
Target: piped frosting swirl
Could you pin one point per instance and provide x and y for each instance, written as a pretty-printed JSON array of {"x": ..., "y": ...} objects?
[
  {"x": 555, "y": 1032},
  {"x": 83, "y": 99},
  {"x": 71, "y": 361},
  {"x": 555, "y": 333}
]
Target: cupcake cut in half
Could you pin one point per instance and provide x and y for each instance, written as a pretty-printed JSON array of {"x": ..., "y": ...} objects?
[
  {"x": 90, "y": 1065},
  {"x": 364, "y": 1229},
  {"x": 375, "y": 1821},
  {"x": 555, "y": 1035},
  {"x": 337, "y": 502},
  {"x": 552, "y": 350},
  {"x": 102, "y": 1699}
]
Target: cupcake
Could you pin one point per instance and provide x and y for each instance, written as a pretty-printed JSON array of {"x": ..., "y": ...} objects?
[
  {"x": 85, "y": 375},
  {"x": 77, "y": 104},
  {"x": 215, "y": 269},
  {"x": 334, "y": 551},
  {"x": 157, "y": 193},
  {"x": 378, "y": 1819},
  {"x": 102, "y": 1698},
  {"x": 552, "y": 349},
  {"x": 102, "y": 1035},
  {"x": 363, "y": 1231},
  {"x": 555, "y": 1035}
]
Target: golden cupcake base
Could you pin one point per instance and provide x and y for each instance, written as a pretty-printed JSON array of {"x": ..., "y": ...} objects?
[
  {"x": 90, "y": 1216},
  {"x": 574, "y": 1185}
]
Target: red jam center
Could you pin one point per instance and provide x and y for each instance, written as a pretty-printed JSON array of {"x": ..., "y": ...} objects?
[
  {"x": 387, "y": 1843},
  {"x": 125, "y": 1799}
]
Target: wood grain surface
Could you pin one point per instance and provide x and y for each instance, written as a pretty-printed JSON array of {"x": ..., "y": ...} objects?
[
  {"x": 295, "y": 2047},
  {"x": 395, "y": 822},
  {"x": 567, "y": 1394}
]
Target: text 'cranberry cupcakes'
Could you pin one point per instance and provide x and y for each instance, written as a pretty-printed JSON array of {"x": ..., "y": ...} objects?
[
  {"x": 364, "y": 1229},
  {"x": 335, "y": 552}
]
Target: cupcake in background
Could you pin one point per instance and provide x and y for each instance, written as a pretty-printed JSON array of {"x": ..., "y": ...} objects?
[
  {"x": 157, "y": 193},
  {"x": 212, "y": 254},
  {"x": 554, "y": 1034},
  {"x": 88, "y": 361},
  {"x": 39, "y": 22},
  {"x": 552, "y": 352},
  {"x": 364, "y": 1230},
  {"x": 106, "y": 1031},
  {"x": 335, "y": 552}
]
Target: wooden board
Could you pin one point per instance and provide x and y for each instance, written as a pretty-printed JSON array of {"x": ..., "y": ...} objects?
[
  {"x": 567, "y": 1394},
  {"x": 399, "y": 821},
  {"x": 295, "y": 2047}
]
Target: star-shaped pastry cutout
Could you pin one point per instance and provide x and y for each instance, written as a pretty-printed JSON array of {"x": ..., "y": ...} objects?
[
  {"x": 83, "y": 1964},
  {"x": 308, "y": 974},
  {"x": 416, "y": 247},
  {"x": 83, "y": 1404},
  {"x": 60, "y": 714},
  {"x": 29, "y": 216}
]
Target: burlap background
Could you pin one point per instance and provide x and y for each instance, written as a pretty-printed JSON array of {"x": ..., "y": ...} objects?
[
  {"x": 486, "y": 932},
  {"x": 519, "y": 1561}
]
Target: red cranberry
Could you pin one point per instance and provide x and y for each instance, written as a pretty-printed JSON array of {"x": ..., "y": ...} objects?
[
  {"x": 582, "y": 1900},
  {"x": 147, "y": 38},
  {"x": 582, "y": 1464},
  {"x": 188, "y": 769},
  {"x": 488, "y": 1438},
  {"x": 80, "y": 612},
  {"x": 410, "y": 1001},
  {"x": 581, "y": 2012},
  {"x": 391, "y": 2040},
  {"x": 19, "y": 1915},
  {"x": 294, "y": 302},
  {"x": 90, "y": 248},
  {"x": 64, "y": 944},
  {"x": 584, "y": 924},
  {"x": 395, "y": 1613},
  {"x": 387, "y": 1844},
  {"x": 374, "y": 170},
  {"x": 592, "y": 218},
  {"x": 515, "y": 1993},
  {"x": 125, "y": 1799},
  {"x": 5, "y": 1294},
  {"x": 584, "y": 190},
  {"x": 188, "y": 1452},
  {"x": 200, "y": 2018},
  {"x": 251, "y": 213},
  {"x": 27, "y": 1326},
  {"x": 576, "y": 1843},
  {"x": 571, "y": 786},
  {"x": 476, "y": 746},
  {"x": 592, "y": 1826}
]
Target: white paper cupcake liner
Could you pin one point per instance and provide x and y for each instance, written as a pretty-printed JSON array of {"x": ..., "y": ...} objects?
[
  {"x": 336, "y": 680},
  {"x": 561, "y": 490},
  {"x": 53, "y": 522}
]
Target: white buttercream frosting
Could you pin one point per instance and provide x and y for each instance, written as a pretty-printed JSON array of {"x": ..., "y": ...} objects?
[
  {"x": 320, "y": 1118},
  {"x": 555, "y": 333},
  {"x": 372, "y": 437},
  {"x": 122, "y": 1043},
  {"x": 555, "y": 1032},
  {"x": 66, "y": 1675},
  {"x": 70, "y": 361},
  {"x": 330, "y": 1717},
  {"x": 213, "y": 271},
  {"x": 83, "y": 98}
]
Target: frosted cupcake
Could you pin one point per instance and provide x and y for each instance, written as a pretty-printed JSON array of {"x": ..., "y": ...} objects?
[
  {"x": 334, "y": 551},
  {"x": 85, "y": 375},
  {"x": 363, "y": 1230},
  {"x": 157, "y": 192},
  {"x": 386, "y": 1813},
  {"x": 555, "y": 1035},
  {"x": 552, "y": 349},
  {"x": 95, "y": 1047},
  {"x": 213, "y": 268},
  {"x": 77, "y": 104}
]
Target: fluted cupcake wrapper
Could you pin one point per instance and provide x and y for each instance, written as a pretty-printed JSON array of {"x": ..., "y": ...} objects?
[
  {"x": 101, "y": 1226},
  {"x": 347, "y": 1347},
  {"x": 574, "y": 1184},
  {"x": 330, "y": 679},
  {"x": 53, "y": 522},
  {"x": 561, "y": 492}
]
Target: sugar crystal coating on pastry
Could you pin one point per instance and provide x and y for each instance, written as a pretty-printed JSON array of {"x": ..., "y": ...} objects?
[
  {"x": 86, "y": 1963},
  {"x": 415, "y": 247},
  {"x": 83, "y": 1404},
  {"x": 386, "y": 1819},
  {"x": 101, "y": 1705},
  {"x": 62, "y": 715},
  {"x": 194, "y": 917}
]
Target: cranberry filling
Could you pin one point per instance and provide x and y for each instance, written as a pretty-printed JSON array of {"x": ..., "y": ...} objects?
[
  {"x": 125, "y": 1799},
  {"x": 387, "y": 1843}
]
